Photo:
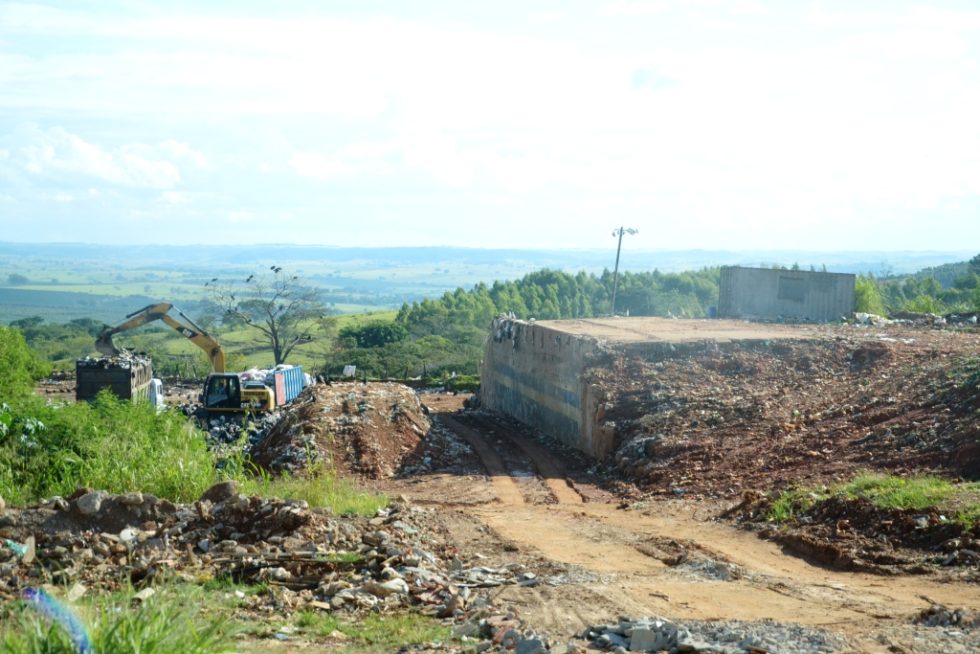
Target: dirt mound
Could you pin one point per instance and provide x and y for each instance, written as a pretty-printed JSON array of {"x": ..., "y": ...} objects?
[
  {"x": 854, "y": 534},
  {"x": 361, "y": 429},
  {"x": 719, "y": 418}
]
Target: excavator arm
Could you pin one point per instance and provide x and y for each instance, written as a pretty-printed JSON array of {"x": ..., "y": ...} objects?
[{"x": 162, "y": 311}]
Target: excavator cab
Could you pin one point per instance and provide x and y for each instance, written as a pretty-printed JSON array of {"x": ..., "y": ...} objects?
[
  {"x": 223, "y": 393},
  {"x": 226, "y": 393}
]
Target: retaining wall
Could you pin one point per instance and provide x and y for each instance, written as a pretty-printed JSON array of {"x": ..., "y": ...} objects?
[{"x": 539, "y": 376}]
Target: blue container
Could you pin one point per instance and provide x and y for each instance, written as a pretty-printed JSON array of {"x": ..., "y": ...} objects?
[{"x": 289, "y": 384}]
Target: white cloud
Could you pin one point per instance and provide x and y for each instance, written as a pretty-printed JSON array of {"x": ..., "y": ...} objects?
[
  {"x": 317, "y": 166},
  {"x": 369, "y": 158},
  {"x": 177, "y": 150},
  {"x": 175, "y": 198},
  {"x": 241, "y": 216},
  {"x": 709, "y": 111},
  {"x": 57, "y": 152},
  {"x": 634, "y": 8}
]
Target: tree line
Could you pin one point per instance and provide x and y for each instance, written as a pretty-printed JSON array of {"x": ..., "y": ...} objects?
[
  {"x": 440, "y": 336},
  {"x": 446, "y": 334},
  {"x": 923, "y": 292}
]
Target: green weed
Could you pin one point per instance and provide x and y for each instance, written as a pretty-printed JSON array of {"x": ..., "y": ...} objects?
[
  {"x": 961, "y": 500},
  {"x": 120, "y": 446},
  {"x": 115, "y": 445},
  {"x": 794, "y": 502},
  {"x": 891, "y": 492},
  {"x": 318, "y": 489},
  {"x": 375, "y": 633},
  {"x": 164, "y": 623}
]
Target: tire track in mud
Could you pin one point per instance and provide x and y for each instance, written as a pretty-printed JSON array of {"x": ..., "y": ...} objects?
[
  {"x": 550, "y": 471},
  {"x": 505, "y": 487}
]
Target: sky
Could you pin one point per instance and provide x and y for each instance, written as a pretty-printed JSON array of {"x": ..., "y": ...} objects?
[{"x": 714, "y": 124}]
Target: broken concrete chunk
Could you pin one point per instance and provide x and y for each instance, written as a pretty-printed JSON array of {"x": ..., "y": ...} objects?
[
  {"x": 383, "y": 589},
  {"x": 221, "y": 491},
  {"x": 91, "y": 503}
]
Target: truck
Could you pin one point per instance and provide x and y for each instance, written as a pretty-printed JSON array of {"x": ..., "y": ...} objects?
[
  {"x": 129, "y": 378},
  {"x": 224, "y": 392}
]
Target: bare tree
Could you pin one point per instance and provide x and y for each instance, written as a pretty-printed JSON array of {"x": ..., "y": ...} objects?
[{"x": 283, "y": 310}]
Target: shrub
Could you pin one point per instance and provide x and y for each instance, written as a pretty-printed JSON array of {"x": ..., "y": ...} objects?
[
  {"x": 20, "y": 367},
  {"x": 112, "y": 444},
  {"x": 867, "y": 296}
]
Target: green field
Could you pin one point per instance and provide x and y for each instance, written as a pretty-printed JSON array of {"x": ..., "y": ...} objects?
[{"x": 243, "y": 347}]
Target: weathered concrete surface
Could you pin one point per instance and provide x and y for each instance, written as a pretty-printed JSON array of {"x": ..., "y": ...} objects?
[
  {"x": 542, "y": 373},
  {"x": 792, "y": 295}
]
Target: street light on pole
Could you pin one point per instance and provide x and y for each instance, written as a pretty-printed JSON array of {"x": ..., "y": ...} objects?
[{"x": 619, "y": 231}]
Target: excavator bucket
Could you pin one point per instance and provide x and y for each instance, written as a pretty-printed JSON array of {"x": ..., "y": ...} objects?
[{"x": 105, "y": 345}]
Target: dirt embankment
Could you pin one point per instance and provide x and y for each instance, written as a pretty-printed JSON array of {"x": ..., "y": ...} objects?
[{"x": 716, "y": 419}]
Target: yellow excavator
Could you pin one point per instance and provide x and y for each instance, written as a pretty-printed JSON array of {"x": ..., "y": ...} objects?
[{"x": 223, "y": 391}]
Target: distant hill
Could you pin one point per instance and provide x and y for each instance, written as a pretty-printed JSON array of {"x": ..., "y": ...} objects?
[
  {"x": 945, "y": 274},
  {"x": 246, "y": 257},
  {"x": 65, "y": 281}
]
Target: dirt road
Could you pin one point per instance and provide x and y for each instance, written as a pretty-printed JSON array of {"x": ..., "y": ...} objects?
[{"x": 669, "y": 559}]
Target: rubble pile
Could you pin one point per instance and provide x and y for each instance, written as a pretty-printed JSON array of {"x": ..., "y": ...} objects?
[
  {"x": 938, "y": 615},
  {"x": 441, "y": 449},
  {"x": 226, "y": 429},
  {"x": 123, "y": 361},
  {"x": 714, "y": 419},
  {"x": 308, "y": 558},
  {"x": 732, "y": 637},
  {"x": 362, "y": 429}
]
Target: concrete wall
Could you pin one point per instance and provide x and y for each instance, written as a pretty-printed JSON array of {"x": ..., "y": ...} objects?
[
  {"x": 539, "y": 376},
  {"x": 793, "y": 295}
]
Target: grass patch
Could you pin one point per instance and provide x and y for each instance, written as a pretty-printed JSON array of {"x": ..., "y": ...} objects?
[
  {"x": 890, "y": 492},
  {"x": 375, "y": 633},
  {"x": 120, "y": 446},
  {"x": 793, "y": 502},
  {"x": 959, "y": 500},
  {"x": 169, "y": 621},
  {"x": 115, "y": 445},
  {"x": 318, "y": 489}
]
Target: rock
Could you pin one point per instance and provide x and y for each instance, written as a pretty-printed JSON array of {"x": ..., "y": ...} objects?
[
  {"x": 90, "y": 504},
  {"x": 610, "y": 640},
  {"x": 644, "y": 639},
  {"x": 507, "y": 639},
  {"x": 384, "y": 589},
  {"x": 530, "y": 646},
  {"x": 144, "y": 595},
  {"x": 221, "y": 492},
  {"x": 468, "y": 629},
  {"x": 279, "y": 574},
  {"x": 131, "y": 499}
]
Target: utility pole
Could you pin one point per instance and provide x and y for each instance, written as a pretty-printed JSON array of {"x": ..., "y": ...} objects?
[{"x": 619, "y": 231}]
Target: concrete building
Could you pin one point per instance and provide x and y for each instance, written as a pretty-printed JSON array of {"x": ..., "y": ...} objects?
[{"x": 790, "y": 295}]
